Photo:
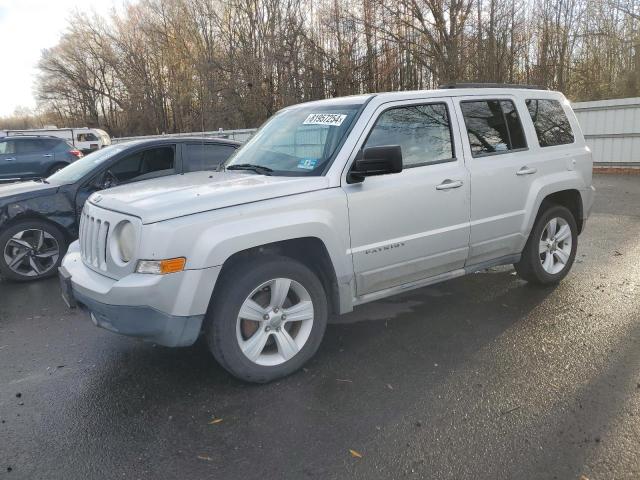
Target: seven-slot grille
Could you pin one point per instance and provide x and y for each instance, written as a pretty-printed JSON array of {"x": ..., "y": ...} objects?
[{"x": 93, "y": 240}]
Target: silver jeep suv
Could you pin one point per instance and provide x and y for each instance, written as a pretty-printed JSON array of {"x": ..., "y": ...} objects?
[{"x": 330, "y": 205}]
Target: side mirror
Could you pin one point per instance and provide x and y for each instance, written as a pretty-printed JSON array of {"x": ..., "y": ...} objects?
[{"x": 376, "y": 161}]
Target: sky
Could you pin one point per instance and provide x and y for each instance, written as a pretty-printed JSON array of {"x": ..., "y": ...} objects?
[{"x": 27, "y": 27}]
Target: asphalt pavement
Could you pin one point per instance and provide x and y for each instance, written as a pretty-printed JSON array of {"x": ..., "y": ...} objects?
[{"x": 481, "y": 377}]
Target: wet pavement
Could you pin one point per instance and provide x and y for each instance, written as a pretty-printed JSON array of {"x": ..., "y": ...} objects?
[{"x": 480, "y": 377}]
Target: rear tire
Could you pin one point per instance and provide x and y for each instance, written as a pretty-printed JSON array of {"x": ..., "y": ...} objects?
[
  {"x": 267, "y": 318},
  {"x": 551, "y": 248},
  {"x": 31, "y": 250}
]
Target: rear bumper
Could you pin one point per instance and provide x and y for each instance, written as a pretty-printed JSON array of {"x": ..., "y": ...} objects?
[
  {"x": 587, "y": 196},
  {"x": 163, "y": 309}
]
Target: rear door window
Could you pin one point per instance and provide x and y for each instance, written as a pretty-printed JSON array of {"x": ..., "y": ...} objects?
[
  {"x": 550, "y": 121},
  {"x": 493, "y": 126},
  {"x": 26, "y": 146},
  {"x": 206, "y": 156}
]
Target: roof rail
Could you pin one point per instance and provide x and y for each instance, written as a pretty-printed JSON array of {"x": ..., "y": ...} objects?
[
  {"x": 491, "y": 85},
  {"x": 20, "y": 135}
]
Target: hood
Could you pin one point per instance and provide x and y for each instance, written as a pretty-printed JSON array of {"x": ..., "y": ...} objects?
[
  {"x": 22, "y": 190},
  {"x": 179, "y": 195}
]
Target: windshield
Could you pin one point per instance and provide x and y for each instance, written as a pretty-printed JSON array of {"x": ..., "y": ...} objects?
[
  {"x": 85, "y": 165},
  {"x": 299, "y": 141}
]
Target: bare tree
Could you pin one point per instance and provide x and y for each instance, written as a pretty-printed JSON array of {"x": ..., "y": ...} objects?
[{"x": 189, "y": 65}]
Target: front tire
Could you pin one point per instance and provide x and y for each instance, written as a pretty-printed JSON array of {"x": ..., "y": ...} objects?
[
  {"x": 551, "y": 248},
  {"x": 267, "y": 319},
  {"x": 31, "y": 250}
]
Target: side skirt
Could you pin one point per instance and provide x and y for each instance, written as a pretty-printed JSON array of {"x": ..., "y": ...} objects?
[{"x": 370, "y": 297}]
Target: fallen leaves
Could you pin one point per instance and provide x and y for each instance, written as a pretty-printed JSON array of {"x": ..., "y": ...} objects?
[
  {"x": 205, "y": 458},
  {"x": 355, "y": 454},
  {"x": 215, "y": 421}
]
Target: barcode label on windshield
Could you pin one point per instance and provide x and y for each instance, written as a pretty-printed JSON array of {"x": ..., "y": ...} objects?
[{"x": 334, "y": 119}]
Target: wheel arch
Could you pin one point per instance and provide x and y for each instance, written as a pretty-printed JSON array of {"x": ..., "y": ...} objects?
[
  {"x": 564, "y": 193},
  {"x": 569, "y": 198},
  {"x": 297, "y": 249},
  {"x": 34, "y": 216}
]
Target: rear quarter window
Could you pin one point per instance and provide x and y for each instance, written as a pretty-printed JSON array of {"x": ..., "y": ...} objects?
[
  {"x": 551, "y": 122},
  {"x": 52, "y": 144}
]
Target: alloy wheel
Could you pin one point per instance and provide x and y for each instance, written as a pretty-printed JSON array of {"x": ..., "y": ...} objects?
[
  {"x": 31, "y": 253},
  {"x": 555, "y": 245},
  {"x": 275, "y": 322}
]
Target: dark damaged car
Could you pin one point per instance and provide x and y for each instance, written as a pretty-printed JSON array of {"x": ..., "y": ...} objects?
[{"x": 39, "y": 219}]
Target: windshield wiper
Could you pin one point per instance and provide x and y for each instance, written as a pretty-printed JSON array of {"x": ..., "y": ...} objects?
[
  {"x": 259, "y": 169},
  {"x": 43, "y": 180}
]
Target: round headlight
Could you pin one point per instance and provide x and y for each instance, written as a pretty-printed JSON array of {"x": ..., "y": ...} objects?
[{"x": 125, "y": 236}]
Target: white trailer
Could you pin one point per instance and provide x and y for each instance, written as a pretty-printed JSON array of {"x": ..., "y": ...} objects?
[{"x": 84, "y": 139}]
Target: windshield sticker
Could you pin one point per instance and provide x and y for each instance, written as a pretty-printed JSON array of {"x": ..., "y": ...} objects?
[
  {"x": 333, "y": 119},
  {"x": 307, "y": 163}
]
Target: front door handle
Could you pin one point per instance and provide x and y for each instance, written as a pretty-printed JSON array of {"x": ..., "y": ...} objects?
[
  {"x": 48, "y": 155},
  {"x": 11, "y": 159},
  {"x": 526, "y": 171},
  {"x": 448, "y": 184}
]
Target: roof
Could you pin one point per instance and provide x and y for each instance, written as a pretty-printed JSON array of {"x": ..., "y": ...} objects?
[
  {"x": 462, "y": 89},
  {"x": 14, "y": 137},
  {"x": 491, "y": 85},
  {"x": 169, "y": 140}
]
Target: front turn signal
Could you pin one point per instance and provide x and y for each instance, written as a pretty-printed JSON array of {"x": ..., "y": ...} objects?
[{"x": 161, "y": 267}]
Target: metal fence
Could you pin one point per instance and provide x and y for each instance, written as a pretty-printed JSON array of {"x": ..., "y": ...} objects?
[
  {"x": 241, "y": 135},
  {"x": 612, "y": 130}
]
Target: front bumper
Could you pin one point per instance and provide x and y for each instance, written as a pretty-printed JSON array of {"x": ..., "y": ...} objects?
[{"x": 163, "y": 309}]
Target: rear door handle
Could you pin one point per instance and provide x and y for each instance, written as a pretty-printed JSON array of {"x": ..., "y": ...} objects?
[
  {"x": 11, "y": 159},
  {"x": 48, "y": 155},
  {"x": 448, "y": 184},
  {"x": 526, "y": 171}
]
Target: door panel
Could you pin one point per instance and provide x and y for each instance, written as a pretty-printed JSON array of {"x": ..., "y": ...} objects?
[
  {"x": 9, "y": 168},
  {"x": 32, "y": 158},
  {"x": 414, "y": 224},
  {"x": 501, "y": 180}
]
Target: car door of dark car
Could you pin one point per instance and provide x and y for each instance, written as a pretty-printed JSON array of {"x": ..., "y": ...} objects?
[
  {"x": 205, "y": 156},
  {"x": 9, "y": 168},
  {"x": 140, "y": 164},
  {"x": 33, "y": 158}
]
